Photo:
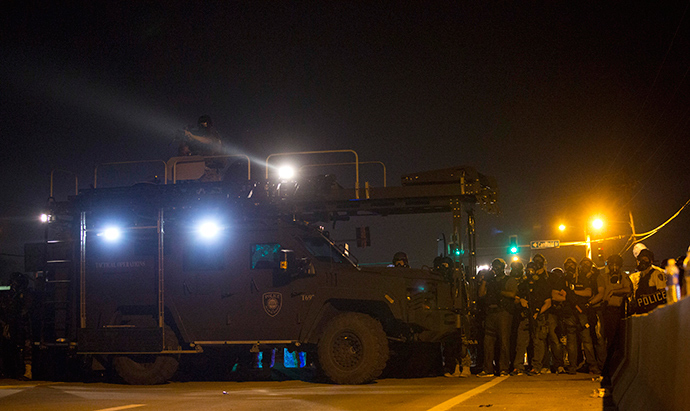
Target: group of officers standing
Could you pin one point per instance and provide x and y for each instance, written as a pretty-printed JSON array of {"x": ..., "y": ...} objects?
[{"x": 564, "y": 320}]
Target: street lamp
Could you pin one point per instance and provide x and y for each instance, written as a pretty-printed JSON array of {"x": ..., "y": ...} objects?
[{"x": 596, "y": 224}]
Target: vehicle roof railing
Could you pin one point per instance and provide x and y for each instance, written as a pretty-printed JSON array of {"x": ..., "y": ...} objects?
[
  {"x": 322, "y": 152},
  {"x": 174, "y": 161},
  {"x": 95, "y": 169}
]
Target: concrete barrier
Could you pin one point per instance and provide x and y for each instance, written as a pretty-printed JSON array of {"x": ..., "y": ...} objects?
[{"x": 655, "y": 371}]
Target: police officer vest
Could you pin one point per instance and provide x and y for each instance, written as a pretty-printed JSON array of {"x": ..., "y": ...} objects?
[{"x": 647, "y": 297}]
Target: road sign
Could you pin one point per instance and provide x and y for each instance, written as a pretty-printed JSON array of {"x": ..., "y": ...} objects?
[{"x": 540, "y": 245}]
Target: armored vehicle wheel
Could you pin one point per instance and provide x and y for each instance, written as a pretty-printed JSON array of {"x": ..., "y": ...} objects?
[
  {"x": 353, "y": 349},
  {"x": 149, "y": 369}
]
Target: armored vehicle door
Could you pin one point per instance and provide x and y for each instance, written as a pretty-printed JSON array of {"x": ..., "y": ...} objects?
[
  {"x": 234, "y": 290},
  {"x": 274, "y": 307}
]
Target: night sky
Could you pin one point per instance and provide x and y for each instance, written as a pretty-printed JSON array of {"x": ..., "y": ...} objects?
[{"x": 576, "y": 108}]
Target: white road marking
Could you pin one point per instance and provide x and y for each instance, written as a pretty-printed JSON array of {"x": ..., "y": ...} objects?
[
  {"x": 446, "y": 405},
  {"x": 6, "y": 392},
  {"x": 124, "y": 407}
]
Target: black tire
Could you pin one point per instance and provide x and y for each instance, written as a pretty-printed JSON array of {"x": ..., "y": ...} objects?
[
  {"x": 149, "y": 369},
  {"x": 353, "y": 349}
]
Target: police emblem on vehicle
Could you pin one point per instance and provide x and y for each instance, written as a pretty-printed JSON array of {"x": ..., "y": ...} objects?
[{"x": 273, "y": 302}]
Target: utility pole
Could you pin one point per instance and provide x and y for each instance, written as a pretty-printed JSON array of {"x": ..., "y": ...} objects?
[{"x": 632, "y": 224}]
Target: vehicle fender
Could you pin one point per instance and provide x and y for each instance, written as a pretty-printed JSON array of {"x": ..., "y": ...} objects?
[{"x": 329, "y": 302}]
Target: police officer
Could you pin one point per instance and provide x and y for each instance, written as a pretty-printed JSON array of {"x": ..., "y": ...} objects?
[
  {"x": 649, "y": 284},
  {"x": 456, "y": 359},
  {"x": 500, "y": 291},
  {"x": 538, "y": 301},
  {"x": 553, "y": 341},
  {"x": 585, "y": 288},
  {"x": 615, "y": 289},
  {"x": 521, "y": 316},
  {"x": 444, "y": 266},
  {"x": 204, "y": 141},
  {"x": 574, "y": 291},
  {"x": 400, "y": 260}
]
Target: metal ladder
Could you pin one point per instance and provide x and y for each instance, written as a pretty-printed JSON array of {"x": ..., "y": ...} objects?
[{"x": 56, "y": 322}]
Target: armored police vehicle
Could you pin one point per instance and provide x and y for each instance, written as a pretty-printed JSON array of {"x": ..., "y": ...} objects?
[{"x": 134, "y": 278}]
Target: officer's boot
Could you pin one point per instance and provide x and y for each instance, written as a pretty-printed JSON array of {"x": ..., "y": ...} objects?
[
  {"x": 457, "y": 370},
  {"x": 466, "y": 372},
  {"x": 454, "y": 374}
]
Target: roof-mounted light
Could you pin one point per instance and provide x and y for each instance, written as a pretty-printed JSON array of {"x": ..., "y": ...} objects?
[
  {"x": 208, "y": 229},
  {"x": 286, "y": 172},
  {"x": 111, "y": 233}
]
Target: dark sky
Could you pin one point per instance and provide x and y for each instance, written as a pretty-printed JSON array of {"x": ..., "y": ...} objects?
[{"x": 575, "y": 108}]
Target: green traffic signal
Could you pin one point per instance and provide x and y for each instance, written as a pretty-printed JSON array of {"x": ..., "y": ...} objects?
[{"x": 513, "y": 248}]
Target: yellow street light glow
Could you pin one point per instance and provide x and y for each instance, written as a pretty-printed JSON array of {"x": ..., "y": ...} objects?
[
  {"x": 597, "y": 223},
  {"x": 516, "y": 258},
  {"x": 562, "y": 227}
]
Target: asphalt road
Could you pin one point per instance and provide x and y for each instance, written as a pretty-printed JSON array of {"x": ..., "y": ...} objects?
[{"x": 545, "y": 392}]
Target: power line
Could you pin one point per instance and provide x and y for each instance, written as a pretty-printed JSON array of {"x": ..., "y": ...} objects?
[{"x": 650, "y": 233}]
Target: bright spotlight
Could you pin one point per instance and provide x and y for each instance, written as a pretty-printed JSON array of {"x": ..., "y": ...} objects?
[
  {"x": 45, "y": 218},
  {"x": 111, "y": 233},
  {"x": 562, "y": 227},
  {"x": 286, "y": 172},
  {"x": 208, "y": 229},
  {"x": 483, "y": 267}
]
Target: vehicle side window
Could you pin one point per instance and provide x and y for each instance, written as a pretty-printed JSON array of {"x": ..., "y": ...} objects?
[{"x": 265, "y": 256}]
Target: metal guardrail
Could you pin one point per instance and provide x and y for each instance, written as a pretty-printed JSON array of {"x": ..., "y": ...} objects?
[
  {"x": 322, "y": 152},
  {"x": 174, "y": 161},
  {"x": 95, "y": 169},
  {"x": 349, "y": 164}
]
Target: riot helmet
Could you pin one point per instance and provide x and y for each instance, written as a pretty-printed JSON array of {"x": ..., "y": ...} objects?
[
  {"x": 498, "y": 265},
  {"x": 400, "y": 259},
  {"x": 531, "y": 271},
  {"x": 586, "y": 266},
  {"x": 645, "y": 258},
  {"x": 614, "y": 264},
  {"x": 539, "y": 260},
  {"x": 570, "y": 265}
]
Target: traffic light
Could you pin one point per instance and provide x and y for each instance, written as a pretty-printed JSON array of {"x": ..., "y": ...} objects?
[
  {"x": 513, "y": 247},
  {"x": 455, "y": 250}
]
